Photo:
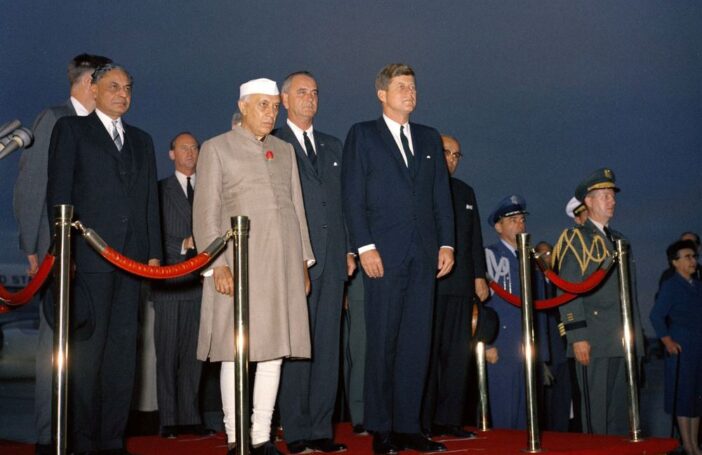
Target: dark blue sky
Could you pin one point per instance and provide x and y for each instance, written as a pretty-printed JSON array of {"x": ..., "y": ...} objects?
[{"x": 539, "y": 93}]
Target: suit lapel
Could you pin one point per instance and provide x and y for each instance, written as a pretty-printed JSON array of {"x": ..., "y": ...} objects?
[
  {"x": 129, "y": 152},
  {"x": 391, "y": 146},
  {"x": 302, "y": 156},
  {"x": 322, "y": 157},
  {"x": 103, "y": 136},
  {"x": 418, "y": 143},
  {"x": 180, "y": 200}
]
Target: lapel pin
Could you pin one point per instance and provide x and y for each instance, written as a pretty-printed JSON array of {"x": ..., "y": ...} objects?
[
  {"x": 335, "y": 163},
  {"x": 269, "y": 155},
  {"x": 428, "y": 157}
]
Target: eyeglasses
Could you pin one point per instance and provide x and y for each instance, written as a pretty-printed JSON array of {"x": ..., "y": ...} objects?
[{"x": 453, "y": 154}]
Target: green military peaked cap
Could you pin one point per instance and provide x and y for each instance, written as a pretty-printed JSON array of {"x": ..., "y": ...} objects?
[{"x": 601, "y": 178}]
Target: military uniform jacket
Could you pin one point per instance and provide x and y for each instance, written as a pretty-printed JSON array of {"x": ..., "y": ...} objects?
[
  {"x": 503, "y": 268},
  {"x": 596, "y": 316},
  {"x": 239, "y": 175}
]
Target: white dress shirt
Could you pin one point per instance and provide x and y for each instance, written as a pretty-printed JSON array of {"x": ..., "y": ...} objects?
[
  {"x": 183, "y": 180},
  {"x": 394, "y": 128},
  {"x": 297, "y": 131},
  {"x": 107, "y": 121},
  {"x": 81, "y": 111}
]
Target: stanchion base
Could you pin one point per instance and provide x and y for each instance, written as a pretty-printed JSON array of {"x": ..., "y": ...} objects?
[{"x": 533, "y": 451}]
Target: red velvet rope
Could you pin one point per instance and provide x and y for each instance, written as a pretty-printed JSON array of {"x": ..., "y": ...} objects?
[
  {"x": 25, "y": 295},
  {"x": 538, "y": 304},
  {"x": 152, "y": 271},
  {"x": 584, "y": 286}
]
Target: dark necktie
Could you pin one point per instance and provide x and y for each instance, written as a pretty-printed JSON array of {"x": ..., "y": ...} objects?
[
  {"x": 116, "y": 138},
  {"x": 190, "y": 191},
  {"x": 310, "y": 150},
  {"x": 608, "y": 234},
  {"x": 406, "y": 149}
]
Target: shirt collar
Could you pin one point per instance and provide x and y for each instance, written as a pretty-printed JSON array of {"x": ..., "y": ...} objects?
[
  {"x": 297, "y": 131},
  {"x": 183, "y": 180},
  {"x": 395, "y": 127},
  {"x": 107, "y": 121},
  {"x": 509, "y": 247},
  {"x": 81, "y": 111},
  {"x": 598, "y": 225}
]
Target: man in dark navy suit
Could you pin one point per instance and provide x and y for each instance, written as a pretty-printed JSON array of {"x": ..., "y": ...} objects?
[
  {"x": 397, "y": 206},
  {"x": 308, "y": 386},
  {"x": 106, "y": 169},
  {"x": 456, "y": 294}
]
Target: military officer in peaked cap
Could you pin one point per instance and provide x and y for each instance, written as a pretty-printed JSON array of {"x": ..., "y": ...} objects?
[
  {"x": 592, "y": 323},
  {"x": 505, "y": 355}
]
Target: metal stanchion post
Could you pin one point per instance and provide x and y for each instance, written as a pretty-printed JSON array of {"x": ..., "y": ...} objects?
[
  {"x": 482, "y": 386},
  {"x": 533, "y": 436},
  {"x": 63, "y": 215},
  {"x": 240, "y": 227},
  {"x": 629, "y": 349}
]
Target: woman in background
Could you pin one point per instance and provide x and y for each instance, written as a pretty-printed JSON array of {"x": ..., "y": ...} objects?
[{"x": 677, "y": 319}]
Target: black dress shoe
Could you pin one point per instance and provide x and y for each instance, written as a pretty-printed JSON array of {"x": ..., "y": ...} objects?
[
  {"x": 43, "y": 449},
  {"x": 326, "y": 445},
  {"x": 383, "y": 444},
  {"x": 299, "y": 446},
  {"x": 169, "y": 432},
  {"x": 452, "y": 430},
  {"x": 267, "y": 448},
  {"x": 416, "y": 441},
  {"x": 232, "y": 450},
  {"x": 359, "y": 429},
  {"x": 199, "y": 430}
]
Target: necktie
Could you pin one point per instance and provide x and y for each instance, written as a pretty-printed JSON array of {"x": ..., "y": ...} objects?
[
  {"x": 310, "y": 150},
  {"x": 406, "y": 148},
  {"x": 190, "y": 191},
  {"x": 608, "y": 234},
  {"x": 115, "y": 136}
]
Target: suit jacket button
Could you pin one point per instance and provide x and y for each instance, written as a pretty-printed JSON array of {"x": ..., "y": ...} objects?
[
  {"x": 324, "y": 226},
  {"x": 125, "y": 219},
  {"x": 324, "y": 204}
]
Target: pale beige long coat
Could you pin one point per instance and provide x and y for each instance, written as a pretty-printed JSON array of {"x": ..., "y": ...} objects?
[{"x": 234, "y": 177}]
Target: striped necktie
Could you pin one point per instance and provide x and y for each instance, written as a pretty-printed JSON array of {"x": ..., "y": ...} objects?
[{"x": 115, "y": 136}]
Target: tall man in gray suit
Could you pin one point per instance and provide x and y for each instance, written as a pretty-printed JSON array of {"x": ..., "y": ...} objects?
[
  {"x": 177, "y": 301},
  {"x": 308, "y": 387},
  {"x": 30, "y": 211}
]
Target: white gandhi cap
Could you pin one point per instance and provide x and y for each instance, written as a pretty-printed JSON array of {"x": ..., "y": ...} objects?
[{"x": 260, "y": 86}]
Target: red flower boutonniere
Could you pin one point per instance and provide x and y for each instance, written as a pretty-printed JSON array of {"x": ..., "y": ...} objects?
[{"x": 269, "y": 155}]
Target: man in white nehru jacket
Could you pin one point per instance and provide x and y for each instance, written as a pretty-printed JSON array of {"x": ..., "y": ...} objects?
[{"x": 247, "y": 171}]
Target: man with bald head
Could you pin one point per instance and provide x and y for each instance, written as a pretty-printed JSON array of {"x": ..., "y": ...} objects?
[
  {"x": 106, "y": 169},
  {"x": 456, "y": 293},
  {"x": 247, "y": 171}
]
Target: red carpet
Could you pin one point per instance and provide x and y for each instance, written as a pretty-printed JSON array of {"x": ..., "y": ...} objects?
[{"x": 495, "y": 442}]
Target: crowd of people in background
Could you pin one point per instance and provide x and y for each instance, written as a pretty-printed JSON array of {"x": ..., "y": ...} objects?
[{"x": 370, "y": 243}]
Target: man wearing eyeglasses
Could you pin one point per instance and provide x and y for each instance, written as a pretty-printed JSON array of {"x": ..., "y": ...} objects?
[{"x": 444, "y": 396}]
